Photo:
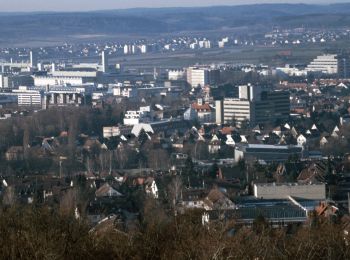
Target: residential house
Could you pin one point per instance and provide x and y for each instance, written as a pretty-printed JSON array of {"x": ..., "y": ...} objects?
[{"x": 107, "y": 190}]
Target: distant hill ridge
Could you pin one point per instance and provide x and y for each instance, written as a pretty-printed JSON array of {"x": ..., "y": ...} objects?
[{"x": 169, "y": 20}]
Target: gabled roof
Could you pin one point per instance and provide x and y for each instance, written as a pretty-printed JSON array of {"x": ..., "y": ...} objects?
[
  {"x": 314, "y": 173},
  {"x": 107, "y": 191},
  {"x": 214, "y": 138}
]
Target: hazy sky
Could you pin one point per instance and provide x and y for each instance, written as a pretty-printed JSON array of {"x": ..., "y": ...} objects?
[{"x": 83, "y": 5}]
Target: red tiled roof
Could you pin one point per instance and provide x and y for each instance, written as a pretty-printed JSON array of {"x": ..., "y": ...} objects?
[{"x": 204, "y": 107}]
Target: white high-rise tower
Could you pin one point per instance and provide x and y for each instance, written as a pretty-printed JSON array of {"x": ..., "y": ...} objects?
[{"x": 104, "y": 62}]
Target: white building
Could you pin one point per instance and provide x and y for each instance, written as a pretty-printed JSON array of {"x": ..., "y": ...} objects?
[
  {"x": 236, "y": 109},
  {"x": 137, "y": 117},
  {"x": 143, "y": 48},
  {"x": 129, "y": 49},
  {"x": 122, "y": 91},
  {"x": 58, "y": 81},
  {"x": 176, "y": 74},
  {"x": 28, "y": 97},
  {"x": 197, "y": 76},
  {"x": 326, "y": 64}
]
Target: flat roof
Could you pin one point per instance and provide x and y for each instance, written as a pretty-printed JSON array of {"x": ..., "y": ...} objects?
[
  {"x": 271, "y": 146},
  {"x": 287, "y": 184}
]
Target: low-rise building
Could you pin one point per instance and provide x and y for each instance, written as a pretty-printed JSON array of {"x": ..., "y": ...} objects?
[
  {"x": 314, "y": 191},
  {"x": 267, "y": 153}
]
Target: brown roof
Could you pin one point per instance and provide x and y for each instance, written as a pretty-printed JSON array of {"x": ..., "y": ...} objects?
[
  {"x": 227, "y": 130},
  {"x": 204, "y": 107}
]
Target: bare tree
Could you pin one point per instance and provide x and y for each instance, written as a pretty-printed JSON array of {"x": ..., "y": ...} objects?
[
  {"x": 175, "y": 190},
  {"x": 9, "y": 198},
  {"x": 68, "y": 202}
]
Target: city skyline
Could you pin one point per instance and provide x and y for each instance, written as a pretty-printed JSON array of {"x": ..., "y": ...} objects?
[{"x": 90, "y": 5}]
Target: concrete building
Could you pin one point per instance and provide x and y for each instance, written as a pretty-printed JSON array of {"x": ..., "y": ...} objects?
[
  {"x": 14, "y": 81},
  {"x": 104, "y": 61},
  {"x": 219, "y": 112},
  {"x": 249, "y": 92},
  {"x": 129, "y": 49},
  {"x": 143, "y": 48},
  {"x": 59, "y": 80},
  {"x": 344, "y": 66},
  {"x": 53, "y": 96},
  {"x": 143, "y": 115},
  {"x": 254, "y": 106},
  {"x": 235, "y": 109},
  {"x": 125, "y": 91},
  {"x": 176, "y": 75},
  {"x": 31, "y": 98},
  {"x": 325, "y": 64},
  {"x": 267, "y": 153},
  {"x": 33, "y": 59},
  {"x": 286, "y": 190},
  {"x": 197, "y": 76},
  {"x": 272, "y": 106}
]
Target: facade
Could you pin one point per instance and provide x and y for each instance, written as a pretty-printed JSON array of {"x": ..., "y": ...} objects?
[
  {"x": 249, "y": 92},
  {"x": 235, "y": 109},
  {"x": 54, "y": 96},
  {"x": 129, "y": 49},
  {"x": 111, "y": 131},
  {"x": 264, "y": 107},
  {"x": 32, "y": 98},
  {"x": 14, "y": 81},
  {"x": 58, "y": 81},
  {"x": 295, "y": 190},
  {"x": 129, "y": 92},
  {"x": 344, "y": 67},
  {"x": 219, "y": 112},
  {"x": 274, "y": 105},
  {"x": 143, "y": 115},
  {"x": 267, "y": 153},
  {"x": 326, "y": 64},
  {"x": 176, "y": 74},
  {"x": 197, "y": 76},
  {"x": 104, "y": 61},
  {"x": 205, "y": 113}
]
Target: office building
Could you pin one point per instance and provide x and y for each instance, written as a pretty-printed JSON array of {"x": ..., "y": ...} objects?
[
  {"x": 32, "y": 59},
  {"x": 104, "y": 58},
  {"x": 176, "y": 75},
  {"x": 197, "y": 76},
  {"x": 14, "y": 81},
  {"x": 254, "y": 106},
  {"x": 272, "y": 106},
  {"x": 344, "y": 66},
  {"x": 236, "y": 110},
  {"x": 325, "y": 64},
  {"x": 249, "y": 92},
  {"x": 59, "y": 80}
]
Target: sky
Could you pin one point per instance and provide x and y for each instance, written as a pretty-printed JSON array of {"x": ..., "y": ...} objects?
[{"x": 88, "y": 5}]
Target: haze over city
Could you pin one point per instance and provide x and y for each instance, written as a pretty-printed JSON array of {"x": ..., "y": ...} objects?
[
  {"x": 88, "y": 5},
  {"x": 215, "y": 129}
]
